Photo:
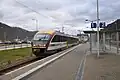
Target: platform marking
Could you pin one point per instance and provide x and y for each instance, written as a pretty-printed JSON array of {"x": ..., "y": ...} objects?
[
  {"x": 83, "y": 67},
  {"x": 42, "y": 65},
  {"x": 80, "y": 72}
]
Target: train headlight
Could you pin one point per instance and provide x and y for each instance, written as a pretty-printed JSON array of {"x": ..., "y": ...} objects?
[
  {"x": 34, "y": 45},
  {"x": 44, "y": 45}
]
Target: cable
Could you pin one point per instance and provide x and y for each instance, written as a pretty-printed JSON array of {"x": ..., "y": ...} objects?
[
  {"x": 51, "y": 18},
  {"x": 33, "y": 10}
]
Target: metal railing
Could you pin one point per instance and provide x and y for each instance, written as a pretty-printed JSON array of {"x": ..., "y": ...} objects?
[{"x": 4, "y": 46}]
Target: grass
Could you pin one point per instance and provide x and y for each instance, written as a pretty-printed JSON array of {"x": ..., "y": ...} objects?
[{"x": 7, "y": 56}]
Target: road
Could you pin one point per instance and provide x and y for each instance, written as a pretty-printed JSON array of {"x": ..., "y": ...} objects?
[
  {"x": 14, "y": 46},
  {"x": 65, "y": 68}
]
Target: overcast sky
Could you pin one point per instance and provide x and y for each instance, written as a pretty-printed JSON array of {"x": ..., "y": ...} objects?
[{"x": 51, "y": 14}]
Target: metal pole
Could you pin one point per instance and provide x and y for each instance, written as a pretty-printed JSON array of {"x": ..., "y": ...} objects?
[
  {"x": 116, "y": 25},
  {"x": 36, "y": 25},
  {"x": 62, "y": 28},
  {"x": 36, "y": 21},
  {"x": 117, "y": 39},
  {"x": 98, "y": 53},
  {"x": 110, "y": 40},
  {"x": 117, "y": 42},
  {"x": 90, "y": 43},
  {"x": 4, "y": 36},
  {"x": 104, "y": 41}
]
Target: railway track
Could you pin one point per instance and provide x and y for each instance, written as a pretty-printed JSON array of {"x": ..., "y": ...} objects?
[
  {"x": 20, "y": 63},
  {"x": 24, "y": 62}
]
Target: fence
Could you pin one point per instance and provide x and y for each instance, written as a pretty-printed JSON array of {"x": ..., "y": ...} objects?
[
  {"x": 112, "y": 41},
  {"x": 13, "y": 46}
]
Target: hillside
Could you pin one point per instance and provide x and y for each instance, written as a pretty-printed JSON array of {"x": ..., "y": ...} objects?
[{"x": 11, "y": 33}]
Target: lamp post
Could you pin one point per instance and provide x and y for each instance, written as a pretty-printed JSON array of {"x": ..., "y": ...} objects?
[
  {"x": 36, "y": 22},
  {"x": 62, "y": 28}
]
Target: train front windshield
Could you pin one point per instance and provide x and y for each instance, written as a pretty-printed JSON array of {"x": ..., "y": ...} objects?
[{"x": 43, "y": 38}]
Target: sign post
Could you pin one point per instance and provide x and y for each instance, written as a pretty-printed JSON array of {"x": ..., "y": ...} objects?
[{"x": 98, "y": 53}]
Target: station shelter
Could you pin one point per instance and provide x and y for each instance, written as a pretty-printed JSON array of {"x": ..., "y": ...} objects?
[{"x": 109, "y": 41}]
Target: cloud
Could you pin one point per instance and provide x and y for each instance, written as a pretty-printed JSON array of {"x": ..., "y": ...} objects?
[{"x": 50, "y": 13}]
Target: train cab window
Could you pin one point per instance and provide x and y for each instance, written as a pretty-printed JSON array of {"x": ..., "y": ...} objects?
[{"x": 41, "y": 37}]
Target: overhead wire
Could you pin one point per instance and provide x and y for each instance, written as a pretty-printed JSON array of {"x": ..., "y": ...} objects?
[{"x": 51, "y": 18}]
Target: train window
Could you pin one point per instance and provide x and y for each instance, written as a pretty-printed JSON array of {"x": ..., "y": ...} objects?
[
  {"x": 61, "y": 38},
  {"x": 64, "y": 39},
  {"x": 56, "y": 38}
]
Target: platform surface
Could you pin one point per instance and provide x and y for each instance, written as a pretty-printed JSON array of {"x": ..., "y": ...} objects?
[{"x": 65, "y": 68}]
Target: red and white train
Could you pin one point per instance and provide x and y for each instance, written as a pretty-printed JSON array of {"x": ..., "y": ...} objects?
[{"x": 45, "y": 42}]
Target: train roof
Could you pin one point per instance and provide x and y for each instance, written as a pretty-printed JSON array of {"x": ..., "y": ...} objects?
[
  {"x": 51, "y": 32},
  {"x": 55, "y": 32},
  {"x": 47, "y": 31}
]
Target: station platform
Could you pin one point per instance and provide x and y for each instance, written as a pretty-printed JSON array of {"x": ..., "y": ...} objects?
[{"x": 64, "y": 68}]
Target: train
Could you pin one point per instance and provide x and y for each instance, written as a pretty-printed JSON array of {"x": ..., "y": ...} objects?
[{"x": 46, "y": 42}]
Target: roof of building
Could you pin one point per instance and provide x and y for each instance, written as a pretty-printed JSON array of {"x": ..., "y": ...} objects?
[{"x": 102, "y": 31}]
